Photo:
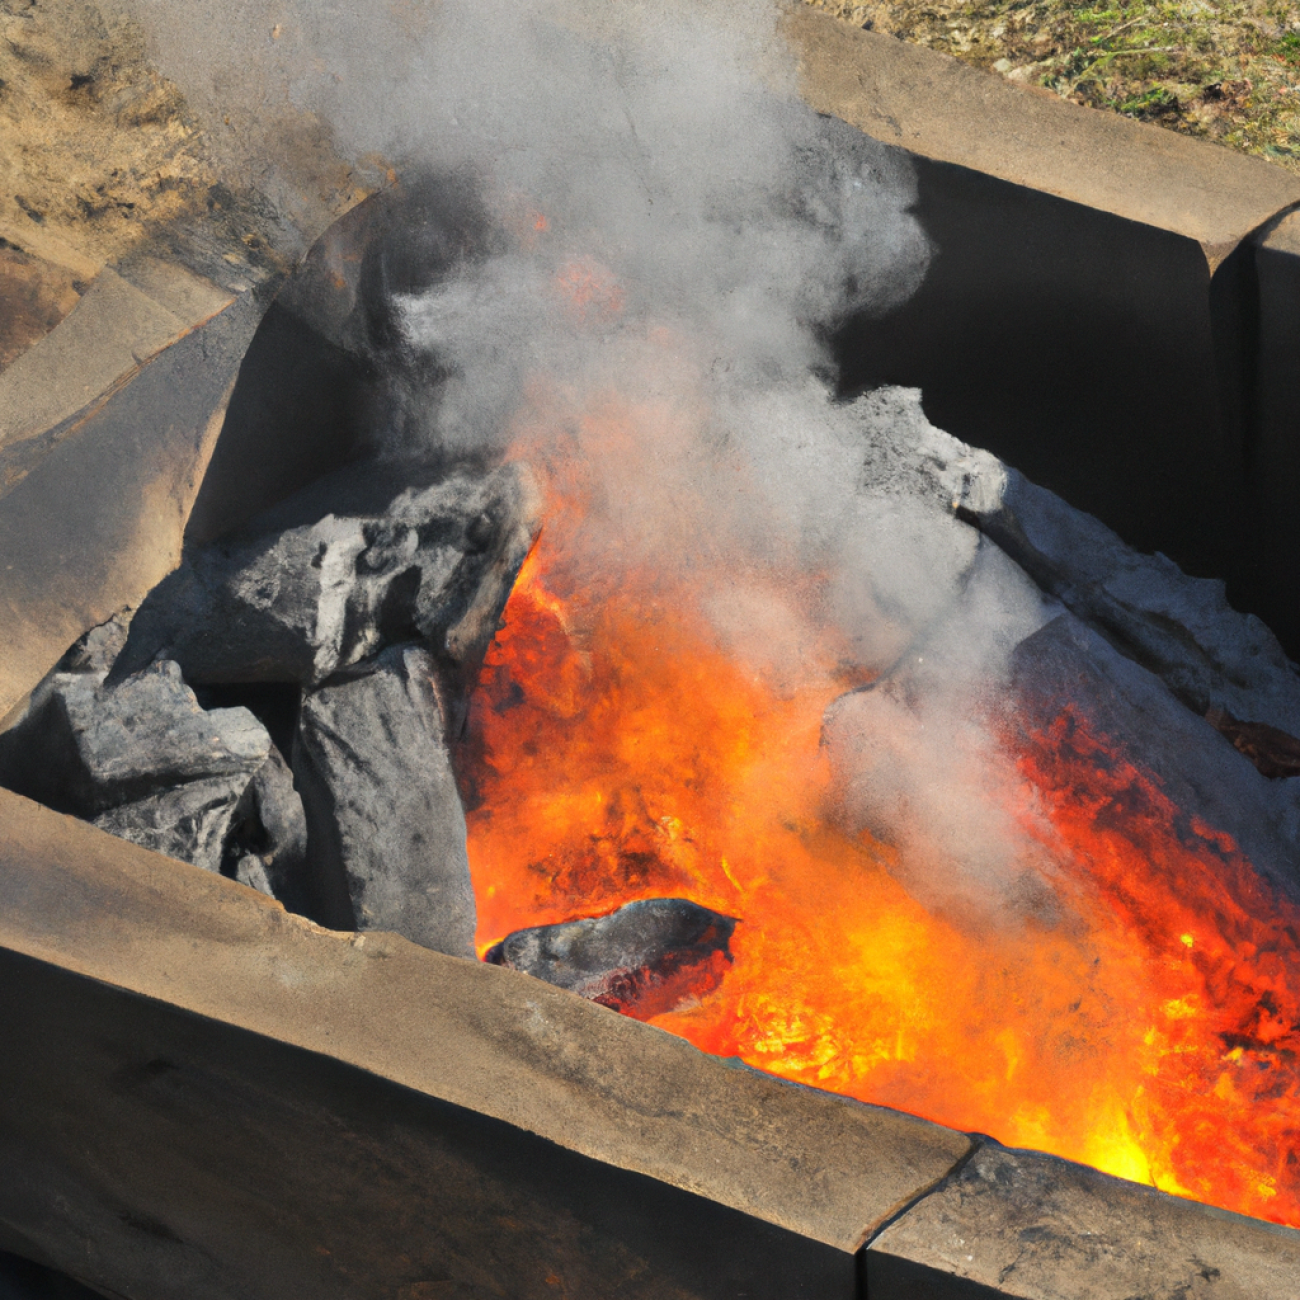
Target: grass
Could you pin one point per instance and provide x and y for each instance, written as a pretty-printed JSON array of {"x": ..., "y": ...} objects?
[{"x": 1224, "y": 71}]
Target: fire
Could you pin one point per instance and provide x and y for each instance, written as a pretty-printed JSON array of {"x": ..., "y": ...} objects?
[
  {"x": 589, "y": 290},
  {"x": 619, "y": 749}
]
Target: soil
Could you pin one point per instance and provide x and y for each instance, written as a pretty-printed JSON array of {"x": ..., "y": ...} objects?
[
  {"x": 97, "y": 147},
  {"x": 1224, "y": 71},
  {"x": 101, "y": 159}
]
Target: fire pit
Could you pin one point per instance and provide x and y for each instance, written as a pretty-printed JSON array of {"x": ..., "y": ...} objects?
[{"x": 351, "y": 1114}]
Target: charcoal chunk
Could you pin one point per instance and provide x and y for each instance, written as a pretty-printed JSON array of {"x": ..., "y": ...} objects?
[
  {"x": 86, "y": 747},
  {"x": 268, "y": 846},
  {"x": 646, "y": 958},
  {"x": 386, "y": 832},
  {"x": 190, "y": 822},
  {"x": 95, "y": 651},
  {"x": 1274, "y": 752},
  {"x": 305, "y": 600},
  {"x": 250, "y": 870}
]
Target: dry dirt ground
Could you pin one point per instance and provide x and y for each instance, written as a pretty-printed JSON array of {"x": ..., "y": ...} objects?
[
  {"x": 97, "y": 150},
  {"x": 100, "y": 155},
  {"x": 1221, "y": 70}
]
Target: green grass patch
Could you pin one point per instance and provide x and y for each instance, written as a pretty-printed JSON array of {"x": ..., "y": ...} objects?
[{"x": 1222, "y": 70}]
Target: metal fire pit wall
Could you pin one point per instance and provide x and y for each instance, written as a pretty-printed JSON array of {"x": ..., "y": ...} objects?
[{"x": 202, "y": 1096}]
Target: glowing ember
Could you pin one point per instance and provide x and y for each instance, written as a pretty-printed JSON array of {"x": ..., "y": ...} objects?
[{"x": 1150, "y": 1027}]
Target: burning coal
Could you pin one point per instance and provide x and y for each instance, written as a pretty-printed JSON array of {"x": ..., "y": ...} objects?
[
  {"x": 644, "y": 959},
  {"x": 800, "y": 661}
]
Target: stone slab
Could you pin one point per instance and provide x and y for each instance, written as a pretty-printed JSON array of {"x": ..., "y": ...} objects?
[
  {"x": 49, "y": 247},
  {"x": 35, "y": 295},
  {"x": 474, "y": 1035},
  {"x": 1270, "y": 547},
  {"x": 1032, "y": 1226},
  {"x": 112, "y": 331},
  {"x": 936, "y": 107},
  {"x": 95, "y": 518},
  {"x": 163, "y": 1156}
]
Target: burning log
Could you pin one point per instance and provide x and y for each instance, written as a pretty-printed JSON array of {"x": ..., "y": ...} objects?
[
  {"x": 646, "y": 958},
  {"x": 1274, "y": 752}
]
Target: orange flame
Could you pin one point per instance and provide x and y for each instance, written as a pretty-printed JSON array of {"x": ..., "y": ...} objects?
[
  {"x": 589, "y": 290},
  {"x": 619, "y": 750}
]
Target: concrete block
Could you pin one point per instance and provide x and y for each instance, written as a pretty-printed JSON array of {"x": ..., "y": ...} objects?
[
  {"x": 159, "y": 1154},
  {"x": 114, "y": 329},
  {"x": 35, "y": 295},
  {"x": 1089, "y": 314},
  {"x": 1015, "y": 1223},
  {"x": 93, "y": 516},
  {"x": 937, "y": 108},
  {"x": 492, "y": 1044},
  {"x": 1268, "y": 559}
]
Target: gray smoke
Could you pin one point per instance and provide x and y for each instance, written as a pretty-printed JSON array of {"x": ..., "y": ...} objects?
[{"x": 674, "y": 236}]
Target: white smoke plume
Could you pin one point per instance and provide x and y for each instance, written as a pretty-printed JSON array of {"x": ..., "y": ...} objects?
[{"x": 672, "y": 225}]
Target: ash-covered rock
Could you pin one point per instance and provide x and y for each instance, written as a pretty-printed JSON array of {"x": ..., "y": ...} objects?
[
  {"x": 267, "y": 848},
  {"x": 85, "y": 747},
  {"x": 1215, "y": 660},
  {"x": 882, "y": 491},
  {"x": 1180, "y": 628},
  {"x": 378, "y": 589},
  {"x": 1068, "y": 669},
  {"x": 294, "y": 599},
  {"x": 191, "y": 822},
  {"x": 905, "y": 455},
  {"x": 386, "y": 833},
  {"x": 1054, "y": 619},
  {"x": 97, "y": 649},
  {"x": 644, "y": 959}
]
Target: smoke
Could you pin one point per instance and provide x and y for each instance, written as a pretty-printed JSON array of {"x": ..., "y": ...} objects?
[
  {"x": 915, "y": 761},
  {"x": 636, "y": 244}
]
